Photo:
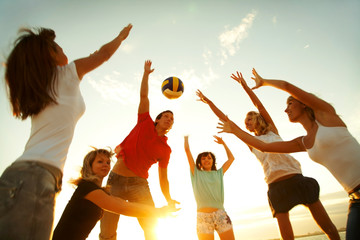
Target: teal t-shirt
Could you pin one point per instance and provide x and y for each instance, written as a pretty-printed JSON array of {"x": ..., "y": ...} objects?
[{"x": 208, "y": 187}]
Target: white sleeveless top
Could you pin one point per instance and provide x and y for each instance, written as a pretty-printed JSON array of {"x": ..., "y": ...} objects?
[
  {"x": 276, "y": 165},
  {"x": 53, "y": 128},
  {"x": 337, "y": 150}
]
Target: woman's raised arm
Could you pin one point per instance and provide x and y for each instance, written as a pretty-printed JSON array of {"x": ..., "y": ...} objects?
[
  {"x": 294, "y": 145},
  {"x": 309, "y": 99},
  {"x": 255, "y": 100},
  {"x": 87, "y": 64}
]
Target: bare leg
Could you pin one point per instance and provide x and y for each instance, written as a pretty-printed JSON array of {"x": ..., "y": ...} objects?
[
  {"x": 228, "y": 235},
  {"x": 204, "y": 236},
  {"x": 323, "y": 220},
  {"x": 149, "y": 227},
  {"x": 285, "y": 227}
]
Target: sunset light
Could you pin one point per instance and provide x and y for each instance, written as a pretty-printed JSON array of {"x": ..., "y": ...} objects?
[{"x": 312, "y": 44}]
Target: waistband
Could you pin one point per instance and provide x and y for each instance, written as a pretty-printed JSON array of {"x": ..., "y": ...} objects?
[
  {"x": 54, "y": 171},
  {"x": 218, "y": 211},
  {"x": 127, "y": 179},
  {"x": 286, "y": 179}
]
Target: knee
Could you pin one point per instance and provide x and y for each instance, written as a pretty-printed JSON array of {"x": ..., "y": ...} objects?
[{"x": 102, "y": 237}]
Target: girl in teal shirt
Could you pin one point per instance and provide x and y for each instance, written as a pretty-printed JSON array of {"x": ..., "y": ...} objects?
[{"x": 208, "y": 189}]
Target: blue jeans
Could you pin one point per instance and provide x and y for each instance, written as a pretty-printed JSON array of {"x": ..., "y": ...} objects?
[
  {"x": 353, "y": 222},
  {"x": 27, "y": 201},
  {"x": 133, "y": 189}
]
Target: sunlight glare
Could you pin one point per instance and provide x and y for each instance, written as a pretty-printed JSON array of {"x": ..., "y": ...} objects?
[{"x": 177, "y": 227}]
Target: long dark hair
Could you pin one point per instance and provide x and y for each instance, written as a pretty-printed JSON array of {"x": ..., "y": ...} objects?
[
  {"x": 31, "y": 72},
  {"x": 204, "y": 154}
]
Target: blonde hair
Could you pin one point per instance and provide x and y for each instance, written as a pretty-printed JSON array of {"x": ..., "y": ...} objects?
[
  {"x": 261, "y": 126},
  {"x": 309, "y": 111},
  {"x": 86, "y": 172}
]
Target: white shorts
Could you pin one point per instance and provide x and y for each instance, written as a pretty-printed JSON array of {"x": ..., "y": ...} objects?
[{"x": 208, "y": 222}]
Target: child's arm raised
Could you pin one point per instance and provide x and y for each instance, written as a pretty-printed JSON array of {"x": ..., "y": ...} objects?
[
  {"x": 188, "y": 154},
  {"x": 229, "y": 154}
]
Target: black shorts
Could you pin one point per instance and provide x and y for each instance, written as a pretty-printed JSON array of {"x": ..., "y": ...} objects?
[{"x": 286, "y": 194}]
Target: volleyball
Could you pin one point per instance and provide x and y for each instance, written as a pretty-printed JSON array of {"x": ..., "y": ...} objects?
[{"x": 172, "y": 87}]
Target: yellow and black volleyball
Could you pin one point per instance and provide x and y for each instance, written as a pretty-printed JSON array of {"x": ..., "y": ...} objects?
[{"x": 172, "y": 87}]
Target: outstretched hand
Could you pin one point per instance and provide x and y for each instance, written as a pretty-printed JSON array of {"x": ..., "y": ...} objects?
[
  {"x": 259, "y": 81},
  {"x": 186, "y": 142},
  {"x": 202, "y": 97},
  {"x": 125, "y": 32},
  {"x": 218, "y": 140},
  {"x": 167, "y": 211},
  {"x": 147, "y": 67},
  {"x": 239, "y": 78},
  {"x": 226, "y": 125},
  {"x": 172, "y": 203}
]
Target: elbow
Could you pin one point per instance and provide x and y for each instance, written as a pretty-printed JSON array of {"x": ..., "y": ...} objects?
[
  {"x": 104, "y": 55},
  {"x": 107, "y": 56}
]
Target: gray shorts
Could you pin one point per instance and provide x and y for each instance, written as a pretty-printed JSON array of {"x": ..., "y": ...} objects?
[{"x": 208, "y": 222}]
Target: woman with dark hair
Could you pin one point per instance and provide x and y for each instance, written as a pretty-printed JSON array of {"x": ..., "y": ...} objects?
[
  {"x": 145, "y": 145},
  {"x": 208, "y": 187},
  {"x": 89, "y": 200},
  {"x": 287, "y": 187},
  {"x": 328, "y": 142},
  {"x": 43, "y": 86}
]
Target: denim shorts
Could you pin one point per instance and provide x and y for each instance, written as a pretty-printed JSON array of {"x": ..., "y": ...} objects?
[
  {"x": 27, "y": 201},
  {"x": 133, "y": 189},
  {"x": 218, "y": 221}
]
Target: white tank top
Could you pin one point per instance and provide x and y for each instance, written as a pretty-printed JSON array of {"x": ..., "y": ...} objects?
[
  {"x": 337, "y": 150},
  {"x": 53, "y": 128},
  {"x": 276, "y": 165}
]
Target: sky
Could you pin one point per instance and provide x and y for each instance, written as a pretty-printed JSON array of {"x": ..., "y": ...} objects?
[{"x": 312, "y": 44}]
